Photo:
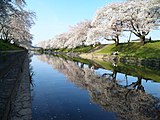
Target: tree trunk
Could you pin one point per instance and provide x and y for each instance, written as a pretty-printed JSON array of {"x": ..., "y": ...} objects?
[
  {"x": 117, "y": 40},
  {"x": 130, "y": 37},
  {"x": 142, "y": 38},
  {"x": 114, "y": 75}
]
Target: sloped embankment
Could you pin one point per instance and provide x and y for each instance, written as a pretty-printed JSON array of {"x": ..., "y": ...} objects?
[
  {"x": 132, "y": 53},
  {"x": 14, "y": 69}
]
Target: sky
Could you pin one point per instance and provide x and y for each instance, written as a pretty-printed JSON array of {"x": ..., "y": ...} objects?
[{"x": 55, "y": 16}]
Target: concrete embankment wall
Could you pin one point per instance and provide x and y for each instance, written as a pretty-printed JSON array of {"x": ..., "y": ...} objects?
[{"x": 15, "y": 98}]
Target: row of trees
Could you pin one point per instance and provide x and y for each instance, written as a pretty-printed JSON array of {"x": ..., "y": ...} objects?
[
  {"x": 110, "y": 22},
  {"x": 76, "y": 36},
  {"x": 138, "y": 17},
  {"x": 15, "y": 22}
]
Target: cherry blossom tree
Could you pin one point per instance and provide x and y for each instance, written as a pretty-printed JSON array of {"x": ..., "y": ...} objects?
[
  {"x": 8, "y": 7},
  {"x": 61, "y": 40},
  {"x": 16, "y": 28},
  {"x": 15, "y": 22},
  {"x": 139, "y": 17},
  {"x": 55, "y": 43},
  {"x": 78, "y": 34},
  {"x": 43, "y": 44},
  {"x": 107, "y": 22}
]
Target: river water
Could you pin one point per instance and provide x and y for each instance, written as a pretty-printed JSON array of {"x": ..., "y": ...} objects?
[{"x": 75, "y": 89}]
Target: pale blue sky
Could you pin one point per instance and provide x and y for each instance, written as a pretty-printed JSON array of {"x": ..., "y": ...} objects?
[{"x": 55, "y": 16}]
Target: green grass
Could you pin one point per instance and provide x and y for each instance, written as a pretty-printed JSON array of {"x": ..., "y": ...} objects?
[
  {"x": 149, "y": 50},
  {"x": 63, "y": 50},
  {"x": 7, "y": 46},
  {"x": 81, "y": 49}
]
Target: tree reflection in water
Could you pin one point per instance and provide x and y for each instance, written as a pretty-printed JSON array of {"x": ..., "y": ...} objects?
[{"x": 128, "y": 101}]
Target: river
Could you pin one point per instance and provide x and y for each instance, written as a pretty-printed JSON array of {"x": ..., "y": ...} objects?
[{"x": 75, "y": 89}]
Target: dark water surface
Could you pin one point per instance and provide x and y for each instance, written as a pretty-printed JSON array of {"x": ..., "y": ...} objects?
[{"x": 68, "y": 90}]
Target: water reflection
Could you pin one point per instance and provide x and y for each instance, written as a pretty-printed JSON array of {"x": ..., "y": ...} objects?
[
  {"x": 129, "y": 101},
  {"x": 134, "y": 85}
]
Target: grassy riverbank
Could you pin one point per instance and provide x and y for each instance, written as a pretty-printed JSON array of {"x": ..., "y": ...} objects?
[
  {"x": 149, "y": 50},
  {"x": 80, "y": 49},
  {"x": 132, "y": 49},
  {"x": 7, "y": 46}
]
